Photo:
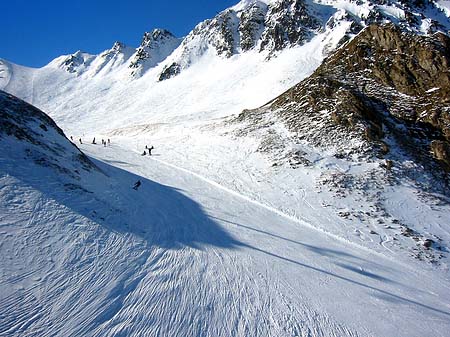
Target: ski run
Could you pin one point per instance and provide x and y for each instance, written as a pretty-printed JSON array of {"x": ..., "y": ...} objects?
[{"x": 184, "y": 255}]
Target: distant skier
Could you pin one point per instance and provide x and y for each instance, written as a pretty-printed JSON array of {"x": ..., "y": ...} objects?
[
  {"x": 136, "y": 185},
  {"x": 71, "y": 138},
  {"x": 93, "y": 141},
  {"x": 144, "y": 153},
  {"x": 80, "y": 141},
  {"x": 150, "y": 150},
  {"x": 108, "y": 141}
]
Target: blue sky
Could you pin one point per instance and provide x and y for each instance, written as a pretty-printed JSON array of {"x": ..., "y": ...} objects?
[{"x": 33, "y": 32}]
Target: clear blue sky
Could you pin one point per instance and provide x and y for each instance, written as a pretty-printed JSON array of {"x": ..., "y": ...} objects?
[{"x": 33, "y": 32}]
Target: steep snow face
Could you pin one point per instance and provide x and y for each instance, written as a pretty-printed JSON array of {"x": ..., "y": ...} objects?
[
  {"x": 155, "y": 47},
  {"x": 110, "y": 60},
  {"x": 266, "y": 26},
  {"x": 76, "y": 63}
]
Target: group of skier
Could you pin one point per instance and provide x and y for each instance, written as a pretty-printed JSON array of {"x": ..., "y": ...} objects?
[
  {"x": 104, "y": 142},
  {"x": 149, "y": 149},
  {"x": 108, "y": 142}
]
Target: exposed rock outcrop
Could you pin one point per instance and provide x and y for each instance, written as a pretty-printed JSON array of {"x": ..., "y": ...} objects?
[
  {"x": 384, "y": 88},
  {"x": 155, "y": 47}
]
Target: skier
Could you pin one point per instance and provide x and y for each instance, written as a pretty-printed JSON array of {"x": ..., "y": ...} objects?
[
  {"x": 80, "y": 141},
  {"x": 71, "y": 138},
  {"x": 150, "y": 150},
  {"x": 93, "y": 141},
  {"x": 136, "y": 185},
  {"x": 108, "y": 141},
  {"x": 143, "y": 154}
]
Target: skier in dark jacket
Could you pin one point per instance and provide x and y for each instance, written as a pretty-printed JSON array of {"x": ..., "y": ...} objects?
[
  {"x": 150, "y": 150},
  {"x": 93, "y": 141},
  {"x": 136, "y": 185},
  {"x": 80, "y": 141}
]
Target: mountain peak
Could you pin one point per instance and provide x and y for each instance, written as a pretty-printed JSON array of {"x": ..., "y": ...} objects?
[
  {"x": 118, "y": 46},
  {"x": 156, "y": 45},
  {"x": 76, "y": 62}
]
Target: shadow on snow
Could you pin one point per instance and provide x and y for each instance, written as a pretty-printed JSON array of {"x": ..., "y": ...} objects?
[{"x": 159, "y": 214}]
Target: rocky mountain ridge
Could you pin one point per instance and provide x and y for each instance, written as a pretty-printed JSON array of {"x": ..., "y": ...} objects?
[
  {"x": 384, "y": 86},
  {"x": 155, "y": 47},
  {"x": 261, "y": 26},
  {"x": 271, "y": 26}
]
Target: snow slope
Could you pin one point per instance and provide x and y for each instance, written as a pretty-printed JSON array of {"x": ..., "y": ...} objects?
[{"x": 184, "y": 256}]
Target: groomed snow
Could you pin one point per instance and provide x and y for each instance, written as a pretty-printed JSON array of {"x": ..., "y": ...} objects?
[{"x": 185, "y": 256}]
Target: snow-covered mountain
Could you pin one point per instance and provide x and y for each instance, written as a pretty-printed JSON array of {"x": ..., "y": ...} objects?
[
  {"x": 155, "y": 47},
  {"x": 301, "y": 154},
  {"x": 272, "y": 26},
  {"x": 385, "y": 116}
]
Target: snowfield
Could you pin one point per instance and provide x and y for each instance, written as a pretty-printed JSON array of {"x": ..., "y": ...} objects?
[{"x": 185, "y": 256}]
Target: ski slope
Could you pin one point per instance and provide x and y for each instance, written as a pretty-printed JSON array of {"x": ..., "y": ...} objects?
[{"x": 183, "y": 256}]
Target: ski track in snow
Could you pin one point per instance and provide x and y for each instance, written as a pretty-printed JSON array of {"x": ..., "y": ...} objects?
[{"x": 270, "y": 208}]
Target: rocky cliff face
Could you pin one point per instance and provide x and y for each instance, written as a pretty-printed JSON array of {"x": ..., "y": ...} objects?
[
  {"x": 288, "y": 23},
  {"x": 251, "y": 25},
  {"x": 273, "y": 25},
  {"x": 155, "y": 47},
  {"x": 386, "y": 92}
]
